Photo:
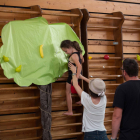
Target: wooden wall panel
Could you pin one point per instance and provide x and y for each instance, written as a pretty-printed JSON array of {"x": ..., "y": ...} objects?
[
  {"x": 94, "y": 34},
  {"x": 131, "y": 1},
  {"x": 92, "y": 6},
  {"x": 99, "y": 49}
]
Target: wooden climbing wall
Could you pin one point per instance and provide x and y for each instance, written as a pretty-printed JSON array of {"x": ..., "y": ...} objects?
[
  {"x": 19, "y": 112},
  {"x": 97, "y": 66},
  {"x": 20, "y": 105}
]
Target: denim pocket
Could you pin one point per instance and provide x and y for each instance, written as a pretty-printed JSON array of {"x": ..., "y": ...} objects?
[
  {"x": 104, "y": 137},
  {"x": 90, "y": 138}
]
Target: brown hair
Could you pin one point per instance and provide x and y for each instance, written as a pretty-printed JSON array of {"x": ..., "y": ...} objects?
[
  {"x": 73, "y": 44},
  {"x": 92, "y": 94}
]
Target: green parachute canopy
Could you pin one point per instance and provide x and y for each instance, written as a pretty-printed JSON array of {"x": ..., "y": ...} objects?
[{"x": 20, "y": 53}]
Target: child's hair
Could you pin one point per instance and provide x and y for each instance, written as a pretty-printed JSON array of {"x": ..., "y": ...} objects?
[{"x": 73, "y": 44}]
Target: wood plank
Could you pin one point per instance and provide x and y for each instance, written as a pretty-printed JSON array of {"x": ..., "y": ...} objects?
[
  {"x": 101, "y": 72},
  {"x": 18, "y": 88},
  {"x": 35, "y": 138},
  {"x": 66, "y": 135},
  {"x": 19, "y": 119},
  {"x": 101, "y": 49},
  {"x": 18, "y": 124},
  {"x": 131, "y": 36},
  {"x": 130, "y": 28},
  {"x": 18, "y": 135},
  {"x": 108, "y": 35},
  {"x": 100, "y": 42},
  {"x": 19, "y": 110},
  {"x": 106, "y": 76},
  {"x": 131, "y": 1},
  {"x": 129, "y": 49},
  {"x": 104, "y": 67},
  {"x": 18, "y": 12},
  {"x": 23, "y": 121},
  {"x": 20, "y": 130},
  {"x": 18, "y": 94},
  {"x": 102, "y": 27},
  {"x": 111, "y": 43},
  {"x": 66, "y": 125},
  {"x": 95, "y": 6},
  {"x": 19, "y": 99},
  {"x": 74, "y": 115},
  {"x": 130, "y": 21},
  {"x": 95, "y": 34},
  {"x": 101, "y": 17}
]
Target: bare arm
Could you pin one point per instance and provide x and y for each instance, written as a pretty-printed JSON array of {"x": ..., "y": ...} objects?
[
  {"x": 75, "y": 80},
  {"x": 116, "y": 120},
  {"x": 76, "y": 86},
  {"x": 78, "y": 65},
  {"x": 84, "y": 78}
]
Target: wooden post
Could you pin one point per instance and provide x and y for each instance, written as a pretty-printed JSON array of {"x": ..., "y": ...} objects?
[
  {"x": 77, "y": 29},
  {"x": 37, "y": 9},
  {"x": 84, "y": 41},
  {"x": 77, "y": 20},
  {"x": 118, "y": 38}
]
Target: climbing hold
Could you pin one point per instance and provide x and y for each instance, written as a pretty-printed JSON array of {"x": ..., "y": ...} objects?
[
  {"x": 41, "y": 51},
  {"x": 89, "y": 57},
  {"x": 138, "y": 57},
  {"x": 18, "y": 69},
  {"x": 106, "y": 57},
  {"x": 6, "y": 59}
]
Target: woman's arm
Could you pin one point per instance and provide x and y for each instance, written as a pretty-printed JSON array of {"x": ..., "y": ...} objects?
[
  {"x": 75, "y": 80},
  {"x": 77, "y": 63},
  {"x": 84, "y": 78}
]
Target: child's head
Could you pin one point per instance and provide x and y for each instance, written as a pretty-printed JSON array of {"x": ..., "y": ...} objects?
[{"x": 67, "y": 46}]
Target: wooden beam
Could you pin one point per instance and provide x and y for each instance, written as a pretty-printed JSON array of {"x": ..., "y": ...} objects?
[
  {"x": 94, "y": 6},
  {"x": 85, "y": 44}
]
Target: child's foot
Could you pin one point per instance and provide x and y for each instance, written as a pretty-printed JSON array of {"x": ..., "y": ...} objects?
[
  {"x": 68, "y": 113},
  {"x": 79, "y": 102}
]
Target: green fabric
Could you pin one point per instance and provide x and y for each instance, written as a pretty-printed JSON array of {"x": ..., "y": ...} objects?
[{"x": 21, "y": 42}]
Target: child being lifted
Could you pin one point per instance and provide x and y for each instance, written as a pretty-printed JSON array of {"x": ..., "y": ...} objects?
[{"x": 76, "y": 58}]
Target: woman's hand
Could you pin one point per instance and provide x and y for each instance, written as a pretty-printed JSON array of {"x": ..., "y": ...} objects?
[
  {"x": 72, "y": 67},
  {"x": 81, "y": 76}
]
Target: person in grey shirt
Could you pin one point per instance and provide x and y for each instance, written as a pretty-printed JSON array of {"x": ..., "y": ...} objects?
[{"x": 94, "y": 106}]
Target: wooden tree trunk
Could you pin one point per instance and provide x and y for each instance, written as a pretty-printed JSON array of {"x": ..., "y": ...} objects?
[{"x": 45, "y": 107}]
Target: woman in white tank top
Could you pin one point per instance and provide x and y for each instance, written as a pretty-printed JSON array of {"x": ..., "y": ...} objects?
[{"x": 94, "y": 107}]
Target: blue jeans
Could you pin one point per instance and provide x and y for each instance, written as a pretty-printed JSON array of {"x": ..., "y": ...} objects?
[{"x": 95, "y": 135}]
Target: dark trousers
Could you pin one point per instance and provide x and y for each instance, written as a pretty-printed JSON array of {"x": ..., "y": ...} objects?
[{"x": 95, "y": 135}]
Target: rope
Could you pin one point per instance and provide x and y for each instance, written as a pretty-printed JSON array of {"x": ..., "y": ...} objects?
[
  {"x": 42, "y": 90},
  {"x": 45, "y": 111},
  {"x": 46, "y": 130}
]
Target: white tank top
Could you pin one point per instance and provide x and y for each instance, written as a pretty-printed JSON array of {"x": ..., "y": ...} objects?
[{"x": 93, "y": 115}]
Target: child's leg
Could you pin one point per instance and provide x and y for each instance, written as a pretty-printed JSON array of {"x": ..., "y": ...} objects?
[
  {"x": 69, "y": 99},
  {"x": 79, "y": 102}
]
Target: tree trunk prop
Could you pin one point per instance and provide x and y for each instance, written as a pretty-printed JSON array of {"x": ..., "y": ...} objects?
[{"x": 45, "y": 107}]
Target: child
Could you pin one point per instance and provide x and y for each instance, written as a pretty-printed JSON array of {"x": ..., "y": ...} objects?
[{"x": 75, "y": 57}]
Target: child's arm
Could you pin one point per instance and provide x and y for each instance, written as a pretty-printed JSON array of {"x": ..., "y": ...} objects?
[
  {"x": 82, "y": 58},
  {"x": 77, "y": 63}
]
